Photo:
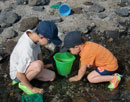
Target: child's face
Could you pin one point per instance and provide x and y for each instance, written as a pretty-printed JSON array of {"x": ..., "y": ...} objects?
[
  {"x": 43, "y": 40},
  {"x": 75, "y": 50}
]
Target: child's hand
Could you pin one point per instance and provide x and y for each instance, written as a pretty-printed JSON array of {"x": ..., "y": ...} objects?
[
  {"x": 75, "y": 78},
  {"x": 37, "y": 90}
]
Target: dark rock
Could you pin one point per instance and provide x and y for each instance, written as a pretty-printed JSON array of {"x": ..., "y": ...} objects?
[
  {"x": 112, "y": 34},
  {"x": 1, "y": 30},
  {"x": 123, "y": 4},
  {"x": 1, "y": 58},
  {"x": 128, "y": 30},
  {"x": 37, "y": 2},
  {"x": 88, "y": 3},
  {"x": 57, "y": 20},
  {"x": 38, "y": 8},
  {"x": 21, "y": 2},
  {"x": 123, "y": 12},
  {"x": 28, "y": 23},
  {"x": 102, "y": 15},
  {"x": 124, "y": 0},
  {"x": 10, "y": 46},
  {"x": 77, "y": 10},
  {"x": 3, "y": 0},
  {"x": 96, "y": 8},
  {"x": 8, "y": 18}
]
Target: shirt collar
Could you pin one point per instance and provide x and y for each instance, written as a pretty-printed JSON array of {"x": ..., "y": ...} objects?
[{"x": 32, "y": 44}]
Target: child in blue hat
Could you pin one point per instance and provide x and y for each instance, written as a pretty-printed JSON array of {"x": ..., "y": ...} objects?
[{"x": 26, "y": 59}]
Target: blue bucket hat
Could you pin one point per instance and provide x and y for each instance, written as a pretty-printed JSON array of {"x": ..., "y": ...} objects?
[
  {"x": 71, "y": 39},
  {"x": 49, "y": 30}
]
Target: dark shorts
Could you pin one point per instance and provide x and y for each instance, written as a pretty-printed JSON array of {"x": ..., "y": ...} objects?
[
  {"x": 102, "y": 71},
  {"x": 16, "y": 79}
]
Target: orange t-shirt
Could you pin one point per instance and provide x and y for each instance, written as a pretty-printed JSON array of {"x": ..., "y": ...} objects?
[{"x": 97, "y": 55}]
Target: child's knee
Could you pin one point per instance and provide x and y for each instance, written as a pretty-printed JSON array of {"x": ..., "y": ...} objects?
[
  {"x": 90, "y": 79},
  {"x": 53, "y": 76},
  {"x": 38, "y": 65}
]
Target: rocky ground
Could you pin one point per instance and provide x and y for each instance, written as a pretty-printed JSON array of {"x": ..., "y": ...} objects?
[{"x": 106, "y": 22}]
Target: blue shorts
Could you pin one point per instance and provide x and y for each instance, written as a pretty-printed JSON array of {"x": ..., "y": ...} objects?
[
  {"x": 102, "y": 71},
  {"x": 16, "y": 79}
]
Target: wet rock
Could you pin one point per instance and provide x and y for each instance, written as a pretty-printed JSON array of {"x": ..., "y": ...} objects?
[
  {"x": 129, "y": 31},
  {"x": 67, "y": 99},
  {"x": 51, "y": 87},
  {"x": 123, "y": 12},
  {"x": 79, "y": 99},
  {"x": 102, "y": 15},
  {"x": 112, "y": 34},
  {"x": 9, "y": 33},
  {"x": 1, "y": 59},
  {"x": 38, "y": 8},
  {"x": 21, "y": 2},
  {"x": 28, "y": 23},
  {"x": 37, "y": 2},
  {"x": 8, "y": 18},
  {"x": 96, "y": 8}
]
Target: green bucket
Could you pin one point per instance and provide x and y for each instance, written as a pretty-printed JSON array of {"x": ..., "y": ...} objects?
[{"x": 64, "y": 62}]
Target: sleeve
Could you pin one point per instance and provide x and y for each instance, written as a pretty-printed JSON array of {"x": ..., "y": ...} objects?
[
  {"x": 23, "y": 63},
  {"x": 39, "y": 49}
]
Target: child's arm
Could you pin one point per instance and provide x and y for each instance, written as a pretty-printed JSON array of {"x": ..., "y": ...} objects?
[
  {"x": 81, "y": 73},
  {"x": 47, "y": 65},
  {"x": 40, "y": 56}
]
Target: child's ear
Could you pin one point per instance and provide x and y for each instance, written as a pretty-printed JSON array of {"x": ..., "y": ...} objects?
[{"x": 76, "y": 46}]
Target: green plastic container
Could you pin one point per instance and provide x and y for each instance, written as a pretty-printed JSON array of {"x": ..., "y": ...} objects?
[{"x": 64, "y": 62}]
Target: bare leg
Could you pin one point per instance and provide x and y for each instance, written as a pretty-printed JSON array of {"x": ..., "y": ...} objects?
[
  {"x": 36, "y": 70},
  {"x": 33, "y": 69},
  {"x": 95, "y": 77},
  {"x": 46, "y": 75}
]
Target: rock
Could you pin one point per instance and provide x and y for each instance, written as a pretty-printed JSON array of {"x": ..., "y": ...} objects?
[
  {"x": 37, "y": 2},
  {"x": 123, "y": 4},
  {"x": 123, "y": 12},
  {"x": 96, "y": 8},
  {"x": 124, "y": 0},
  {"x": 88, "y": 3},
  {"x": 9, "y": 33},
  {"x": 2, "y": 40},
  {"x": 10, "y": 46},
  {"x": 79, "y": 99},
  {"x": 5, "y": 75},
  {"x": 21, "y": 2},
  {"x": 1, "y": 58},
  {"x": 129, "y": 31},
  {"x": 102, "y": 15},
  {"x": 57, "y": 19},
  {"x": 1, "y": 30},
  {"x": 8, "y": 18},
  {"x": 112, "y": 34},
  {"x": 51, "y": 87},
  {"x": 28, "y": 23},
  {"x": 38, "y": 8},
  {"x": 77, "y": 10}
]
